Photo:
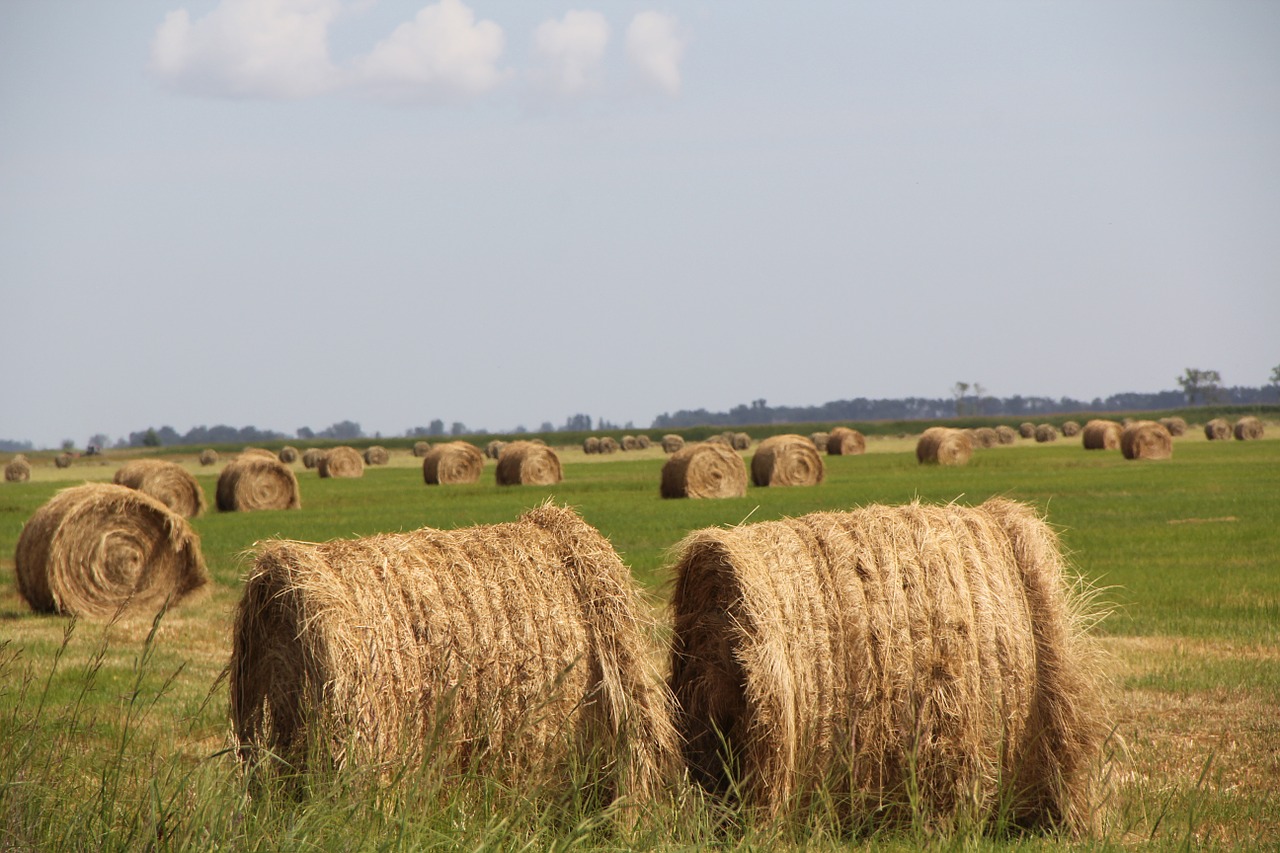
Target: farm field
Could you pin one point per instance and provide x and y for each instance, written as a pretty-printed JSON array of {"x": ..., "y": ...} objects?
[{"x": 116, "y": 736}]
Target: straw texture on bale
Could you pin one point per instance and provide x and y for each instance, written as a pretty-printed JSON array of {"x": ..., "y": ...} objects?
[
  {"x": 1176, "y": 426},
  {"x": 251, "y": 483},
  {"x": 18, "y": 470},
  {"x": 420, "y": 448},
  {"x": 591, "y": 444},
  {"x": 787, "y": 460},
  {"x": 341, "y": 462},
  {"x": 983, "y": 437},
  {"x": 311, "y": 457},
  {"x": 934, "y": 653},
  {"x": 1046, "y": 432},
  {"x": 1070, "y": 429},
  {"x": 1027, "y": 429},
  {"x": 493, "y": 449},
  {"x": 608, "y": 444},
  {"x": 99, "y": 549},
  {"x": 843, "y": 441},
  {"x": 820, "y": 439},
  {"x": 167, "y": 482},
  {"x": 1099, "y": 434},
  {"x": 511, "y": 650},
  {"x": 1006, "y": 434},
  {"x": 376, "y": 455},
  {"x": 1146, "y": 440},
  {"x": 629, "y": 442},
  {"x": 740, "y": 441},
  {"x": 944, "y": 446},
  {"x": 452, "y": 462},
  {"x": 1217, "y": 429},
  {"x": 62, "y": 460},
  {"x": 708, "y": 469},
  {"x": 528, "y": 464},
  {"x": 208, "y": 457},
  {"x": 1249, "y": 428},
  {"x": 288, "y": 455},
  {"x": 672, "y": 442},
  {"x": 644, "y": 442}
]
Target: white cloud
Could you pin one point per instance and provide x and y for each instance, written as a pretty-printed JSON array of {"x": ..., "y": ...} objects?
[
  {"x": 655, "y": 49},
  {"x": 570, "y": 52},
  {"x": 248, "y": 48}
]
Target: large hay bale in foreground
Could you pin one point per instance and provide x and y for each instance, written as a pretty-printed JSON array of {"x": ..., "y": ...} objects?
[
  {"x": 288, "y": 455},
  {"x": 1101, "y": 434},
  {"x": 524, "y": 463},
  {"x": 376, "y": 454},
  {"x": 1176, "y": 426},
  {"x": 787, "y": 460},
  {"x": 944, "y": 446},
  {"x": 843, "y": 441},
  {"x": 1026, "y": 429},
  {"x": 252, "y": 483},
  {"x": 208, "y": 457},
  {"x": 1146, "y": 440},
  {"x": 591, "y": 444},
  {"x": 1070, "y": 429},
  {"x": 341, "y": 463},
  {"x": 1249, "y": 428},
  {"x": 708, "y": 469},
  {"x": 420, "y": 448},
  {"x": 1217, "y": 429},
  {"x": 1046, "y": 432},
  {"x": 311, "y": 458},
  {"x": 99, "y": 549},
  {"x": 18, "y": 470},
  {"x": 513, "y": 651},
  {"x": 167, "y": 482},
  {"x": 888, "y": 658},
  {"x": 672, "y": 442},
  {"x": 452, "y": 462},
  {"x": 1006, "y": 434},
  {"x": 63, "y": 460}
]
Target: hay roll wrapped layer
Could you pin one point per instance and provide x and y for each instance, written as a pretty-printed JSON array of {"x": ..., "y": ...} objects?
[
  {"x": 1146, "y": 440},
  {"x": 1249, "y": 428},
  {"x": 167, "y": 482},
  {"x": 843, "y": 441},
  {"x": 1217, "y": 429},
  {"x": 787, "y": 460},
  {"x": 96, "y": 549},
  {"x": 452, "y": 462},
  {"x": 251, "y": 483},
  {"x": 341, "y": 463},
  {"x": 886, "y": 653},
  {"x": 510, "y": 650},
  {"x": 528, "y": 463},
  {"x": 944, "y": 446},
  {"x": 1099, "y": 434},
  {"x": 708, "y": 469}
]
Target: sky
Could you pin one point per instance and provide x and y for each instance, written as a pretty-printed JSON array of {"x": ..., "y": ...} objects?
[{"x": 288, "y": 213}]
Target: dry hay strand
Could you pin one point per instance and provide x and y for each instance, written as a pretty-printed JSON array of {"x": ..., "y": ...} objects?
[
  {"x": 787, "y": 460},
  {"x": 608, "y": 444},
  {"x": 311, "y": 457},
  {"x": 420, "y": 448},
  {"x": 493, "y": 449},
  {"x": 376, "y": 455},
  {"x": 1006, "y": 434},
  {"x": 101, "y": 549},
  {"x": 524, "y": 463},
  {"x": 740, "y": 441},
  {"x": 1146, "y": 440},
  {"x": 512, "y": 651},
  {"x": 672, "y": 442},
  {"x": 843, "y": 441},
  {"x": 341, "y": 462},
  {"x": 819, "y": 440},
  {"x": 1070, "y": 429},
  {"x": 591, "y": 444},
  {"x": 1027, "y": 429},
  {"x": 944, "y": 446},
  {"x": 252, "y": 483},
  {"x": 629, "y": 443},
  {"x": 1217, "y": 429},
  {"x": 1099, "y": 434},
  {"x": 708, "y": 469},
  {"x": 984, "y": 437},
  {"x": 208, "y": 457},
  {"x": 288, "y": 455},
  {"x": 18, "y": 470},
  {"x": 1176, "y": 426},
  {"x": 1045, "y": 433},
  {"x": 452, "y": 462},
  {"x": 916, "y": 659},
  {"x": 644, "y": 441},
  {"x": 62, "y": 460},
  {"x": 167, "y": 482},
  {"x": 1249, "y": 428},
  {"x": 258, "y": 451}
]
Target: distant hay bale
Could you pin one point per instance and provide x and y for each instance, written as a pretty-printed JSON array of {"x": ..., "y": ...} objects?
[
  {"x": 493, "y": 449},
  {"x": 724, "y": 438},
  {"x": 644, "y": 442},
  {"x": 18, "y": 470},
  {"x": 591, "y": 444},
  {"x": 843, "y": 441},
  {"x": 1027, "y": 429},
  {"x": 528, "y": 464},
  {"x": 341, "y": 463},
  {"x": 708, "y": 469},
  {"x": 208, "y": 457},
  {"x": 452, "y": 462},
  {"x": 629, "y": 443},
  {"x": 1146, "y": 440},
  {"x": 311, "y": 457},
  {"x": 252, "y": 483},
  {"x": 787, "y": 460},
  {"x": 511, "y": 651},
  {"x": 984, "y": 437},
  {"x": 1006, "y": 434},
  {"x": 608, "y": 444},
  {"x": 1045, "y": 433},
  {"x": 890, "y": 657},
  {"x": 420, "y": 448},
  {"x": 258, "y": 451},
  {"x": 376, "y": 454},
  {"x": 672, "y": 442},
  {"x": 1249, "y": 428},
  {"x": 1100, "y": 434},
  {"x": 944, "y": 446},
  {"x": 288, "y": 455},
  {"x": 1176, "y": 426},
  {"x": 63, "y": 460},
  {"x": 99, "y": 549},
  {"x": 740, "y": 441},
  {"x": 820, "y": 440},
  {"x": 167, "y": 482},
  {"x": 1217, "y": 429},
  {"x": 1070, "y": 429}
]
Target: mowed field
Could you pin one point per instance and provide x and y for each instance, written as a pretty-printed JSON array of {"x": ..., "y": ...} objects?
[{"x": 116, "y": 736}]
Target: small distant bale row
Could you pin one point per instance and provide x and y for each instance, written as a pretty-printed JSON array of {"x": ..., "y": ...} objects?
[
  {"x": 18, "y": 470},
  {"x": 944, "y": 446},
  {"x": 253, "y": 482},
  {"x": 787, "y": 460},
  {"x": 636, "y": 442},
  {"x": 843, "y": 441},
  {"x": 451, "y": 463},
  {"x": 600, "y": 444},
  {"x": 167, "y": 482}
]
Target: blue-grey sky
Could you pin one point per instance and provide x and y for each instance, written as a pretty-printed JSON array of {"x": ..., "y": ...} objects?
[{"x": 289, "y": 213}]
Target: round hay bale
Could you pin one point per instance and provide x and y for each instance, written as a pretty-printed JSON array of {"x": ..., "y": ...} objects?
[
  {"x": 18, "y": 470},
  {"x": 452, "y": 462},
  {"x": 524, "y": 463},
  {"x": 311, "y": 457},
  {"x": 708, "y": 469},
  {"x": 984, "y": 437},
  {"x": 258, "y": 451},
  {"x": 903, "y": 661},
  {"x": 608, "y": 444},
  {"x": 944, "y": 446},
  {"x": 1176, "y": 426},
  {"x": 644, "y": 442},
  {"x": 208, "y": 457},
  {"x": 1249, "y": 428},
  {"x": 376, "y": 455},
  {"x": 787, "y": 460},
  {"x": 288, "y": 455},
  {"x": 420, "y": 448},
  {"x": 167, "y": 482},
  {"x": 512, "y": 651},
  {"x": 1027, "y": 429},
  {"x": 100, "y": 549},
  {"x": 1046, "y": 433},
  {"x": 629, "y": 443},
  {"x": 820, "y": 440},
  {"x": 252, "y": 483},
  {"x": 1217, "y": 429},
  {"x": 341, "y": 463},
  {"x": 843, "y": 441},
  {"x": 1070, "y": 429},
  {"x": 740, "y": 441},
  {"x": 63, "y": 460},
  {"x": 724, "y": 438},
  {"x": 1146, "y": 440},
  {"x": 591, "y": 444},
  {"x": 493, "y": 449},
  {"x": 1006, "y": 434},
  {"x": 672, "y": 442},
  {"x": 1100, "y": 434}
]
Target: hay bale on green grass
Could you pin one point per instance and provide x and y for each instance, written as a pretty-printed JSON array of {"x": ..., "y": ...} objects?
[
  {"x": 1026, "y": 429},
  {"x": 288, "y": 455},
  {"x": 671, "y": 443},
  {"x": 591, "y": 444},
  {"x": 1176, "y": 426},
  {"x": 376, "y": 455},
  {"x": 1006, "y": 434},
  {"x": 843, "y": 441},
  {"x": 1070, "y": 429},
  {"x": 255, "y": 482},
  {"x": 1217, "y": 429},
  {"x": 1045, "y": 433},
  {"x": 1146, "y": 440},
  {"x": 525, "y": 463},
  {"x": 1101, "y": 434},
  {"x": 452, "y": 462},
  {"x": 644, "y": 442},
  {"x": 420, "y": 448},
  {"x": 341, "y": 463},
  {"x": 708, "y": 469},
  {"x": 1249, "y": 428},
  {"x": 208, "y": 457},
  {"x": 944, "y": 446},
  {"x": 311, "y": 458},
  {"x": 608, "y": 444},
  {"x": 493, "y": 450},
  {"x": 167, "y": 482},
  {"x": 629, "y": 443},
  {"x": 983, "y": 437},
  {"x": 787, "y": 460},
  {"x": 820, "y": 440},
  {"x": 18, "y": 470}
]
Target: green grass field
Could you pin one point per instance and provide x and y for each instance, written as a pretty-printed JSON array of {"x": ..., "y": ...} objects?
[{"x": 115, "y": 737}]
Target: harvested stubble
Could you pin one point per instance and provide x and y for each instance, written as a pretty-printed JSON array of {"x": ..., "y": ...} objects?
[
  {"x": 591, "y": 444},
  {"x": 644, "y": 442},
  {"x": 62, "y": 460},
  {"x": 1249, "y": 428},
  {"x": 1027, "y": 429},
  {"x": 629, "y": 443},
  {"x": 944, "y": 446},
  {"x": 514, "y": 651},
  {"x": 251, "y": 483},
  {"x": 341, "y": 462},
  {"x": 288, "y": 455},
  {"x": 1070, "y": 429},
  {"x": 452, "y": 462},
  {"x": 18, "y": 470},
  {"x": 608, "y": 444},
  {"x": 672, "y": 442},
  {"x": 708, "y": 469},
  {"x": 1176, "y": 426},
  {"x": 1146, "y": 440},
  {"x": 1217, "y": 429},
  {"x": 787, "y": 460},
  {"x": 311, "y": 457},
  {"x": 528, "y": 464},
  {"x": 983, "y": 437},
  {"x": 1006, "y": 434},
  {"x": 100, "y": 549},
  {"x": 820, "y": 439},
  {"x": 167, "y": 482},
  {"x": 493, "y": 449},
  {"x": 420, "y": 448},
  {"x": 843, "y": 441},
  {"x": 933, "y": 656},
  {"x": 1099, "y": 434},
  {"x": 376, "y": 455},
  {"x": 740, "y": 441},
  {"x": 1046, "y": 432},
  {"x": 208, "y": 457}
]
